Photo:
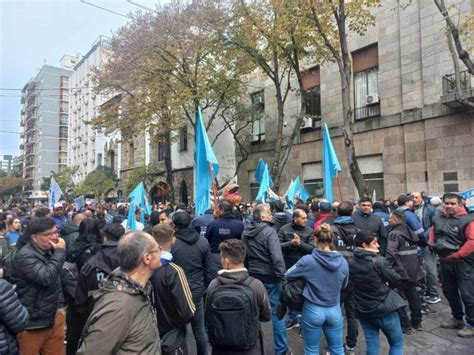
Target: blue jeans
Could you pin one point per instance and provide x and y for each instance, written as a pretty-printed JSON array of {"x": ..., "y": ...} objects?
[
  {"x": 279, "y": 329},
  {"x": 294, "y": 316},
  {"x": 390, "y": 326},
  {"x": 328, "y": 319}
]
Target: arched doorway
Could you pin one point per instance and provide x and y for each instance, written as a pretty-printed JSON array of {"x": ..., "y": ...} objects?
[
  {"x": 183, "y": 192},
  {"x": 159, "y": 193}
]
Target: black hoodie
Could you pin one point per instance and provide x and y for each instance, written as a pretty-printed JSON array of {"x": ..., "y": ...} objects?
[
  {"x": 264, "y": 257},
  {"x": 280, "y": 219},
  {"x": 192, "y": 253},
  {"x": 69, "y": 232}
]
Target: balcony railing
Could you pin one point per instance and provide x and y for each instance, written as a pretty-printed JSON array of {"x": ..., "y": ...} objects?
[
  {"x": 367, "y": 112},
  {"x": 449, "y": 82}
]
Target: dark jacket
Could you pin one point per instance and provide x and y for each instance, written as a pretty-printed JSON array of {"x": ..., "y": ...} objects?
[
  {"x": 192, "y": 253},
  {"x": 402, "y": 252},
  {"x": 372, "y": 224},
  {"x": 372, "y": 297},
  {"x": 280, "y": 219},
  {"x": 95, "y": 270},
  {"x": 69, "y": 232},
  {"x": 13, "y": 318},
  {"x": 201, "y": 222},
  {"x": 123, "y": 320},
  {"x": 292, "y": 253},
  {"x": 228, "y": 277},
  {"x": 323, "y": 218},
  {"x": 227, "y": 226},
  {"x": 174, "y": 305},
  {"x": 343, "y": 233},
  {"x": 326, "y": 274},
  {"x": 264, "y": 257},
  {"x": 80, "y": 252},
  {"x": 39, "y": 283}
]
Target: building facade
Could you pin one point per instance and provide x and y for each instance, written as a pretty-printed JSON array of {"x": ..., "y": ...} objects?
[
  {"x": 44, "y": 124},
  {"x": 86, "y": 145},
  {"x": 410, "y": 132}
]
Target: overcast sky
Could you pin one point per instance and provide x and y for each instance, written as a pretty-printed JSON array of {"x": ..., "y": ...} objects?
[{"x": 40, "y": 31}]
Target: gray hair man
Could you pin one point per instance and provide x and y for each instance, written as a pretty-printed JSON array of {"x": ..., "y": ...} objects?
[{"x": 123, "y": 319}]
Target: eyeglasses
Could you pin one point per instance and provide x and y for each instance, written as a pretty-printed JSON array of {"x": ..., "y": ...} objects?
[
  {"x": 155, "y": 250},
  {"x": 48, "y": 234}
]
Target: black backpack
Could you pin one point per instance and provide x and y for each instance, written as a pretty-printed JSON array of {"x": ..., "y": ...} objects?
[
  {"x": 232, "y": 316},
  {"x": 291, "y": 294}
]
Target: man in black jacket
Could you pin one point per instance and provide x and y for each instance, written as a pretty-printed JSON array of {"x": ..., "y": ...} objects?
[
  {"x": 172, "y": 297},
  {"x": 70, "y": 231},
  {"x": 38, "y": 265},
  {"x": 265, "y": 263},
  {"x": 343, "y": 233},
  {"x": 296, "y": 240},
  {"x": 192, "y": 253},
  {"x": 367, "y": 221},
  {"x": 95, "y": 270},
  {"x": 226, "y": 226}
]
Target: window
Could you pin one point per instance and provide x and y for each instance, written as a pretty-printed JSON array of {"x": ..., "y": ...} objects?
[
  {"x": 450, "y": 176},
  {"x": 161, "y": 151},
  {"x": 313, "y": 179},
  {"x": 372, "y": 170},
  {"x": 311, "y": 85},
  {"x": 366, "y": 89},
  {"x": 131, "y": 153},
  {"x": 258, "y": 126},
  {"x": 183, "y": 139},
  {"x": 254, "y": 186},
  {"x": 99, "y": 159}
]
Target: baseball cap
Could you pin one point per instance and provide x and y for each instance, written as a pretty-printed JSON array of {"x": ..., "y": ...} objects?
[{"x": 58, "y": 205}]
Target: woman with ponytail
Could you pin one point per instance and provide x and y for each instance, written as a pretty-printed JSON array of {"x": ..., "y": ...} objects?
[{"x": 326, "y": 273}]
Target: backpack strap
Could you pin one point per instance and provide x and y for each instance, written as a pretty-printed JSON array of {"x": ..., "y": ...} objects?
[{"x": 248, "y": 281}]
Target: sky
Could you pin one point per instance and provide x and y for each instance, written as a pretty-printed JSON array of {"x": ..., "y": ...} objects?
[{"x": 37, "y": 32}]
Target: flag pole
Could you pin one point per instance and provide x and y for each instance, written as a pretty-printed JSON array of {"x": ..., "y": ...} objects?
[
  {"x": 214, "y": 187},
  {"x": 339, "y": 186}
]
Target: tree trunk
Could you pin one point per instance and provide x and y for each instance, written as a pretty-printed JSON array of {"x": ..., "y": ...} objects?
[{"x": 345, "y": 72}]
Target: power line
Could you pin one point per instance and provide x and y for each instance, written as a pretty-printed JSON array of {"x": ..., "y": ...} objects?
[
  {"x": 103, "y": 8},
  {"x": 2, "y": 131}
]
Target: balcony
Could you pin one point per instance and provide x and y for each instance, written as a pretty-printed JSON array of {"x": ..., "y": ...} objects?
[
  {"x": 367, "y": 112},
  {"x": 450, "y": 96}
]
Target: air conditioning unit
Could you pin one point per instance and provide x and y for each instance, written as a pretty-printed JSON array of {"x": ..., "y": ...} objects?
[
  {"x": 306, "y": 123},
  {"x": 372, "y": 99},
  {"x": 254, "y": 138}
]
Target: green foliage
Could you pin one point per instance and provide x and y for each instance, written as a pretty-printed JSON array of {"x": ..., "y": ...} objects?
[
  {"x": 10, "y": 185},
  {"x": 97, "y": 182},
  {"x": 64, "y": 179}
]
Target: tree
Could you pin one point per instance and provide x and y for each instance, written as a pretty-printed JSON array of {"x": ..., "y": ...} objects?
[
  {"x": 165, "y": 65},
  {"x": 456, "y": 48},
  {"x": 269, "y": 33},
  {"x": 63, "y": 178},
  {"x": 331, "y": 20},
  {"x": 97, "y": 182},
  {"x": 11, "y": 185},
  {"x": 147, "y": 174}
]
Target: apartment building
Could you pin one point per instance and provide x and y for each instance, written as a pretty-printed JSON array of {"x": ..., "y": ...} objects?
[{"x": 410, "y": 132}]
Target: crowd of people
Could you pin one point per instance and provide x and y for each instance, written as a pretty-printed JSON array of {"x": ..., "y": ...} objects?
[{"x": 80, "y": 281}]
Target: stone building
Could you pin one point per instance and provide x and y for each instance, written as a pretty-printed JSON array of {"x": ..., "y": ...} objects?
[{"x": 410, "y": 133}]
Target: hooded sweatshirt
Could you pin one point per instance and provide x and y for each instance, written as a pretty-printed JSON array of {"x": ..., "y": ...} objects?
[
  {"x": 280, "y": 219},
  {"x": 326, "y": 274},
  {"x": 264, "y": 257},
  {"x": 191, "y": 251}
]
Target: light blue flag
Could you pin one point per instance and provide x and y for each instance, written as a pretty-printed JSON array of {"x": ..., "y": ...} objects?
[
  {"x": 204, "y": 157},
  {"x": 79, "y": 202},
  {"x": 131, "y": 221},
  {"x": 260, "y": 170},
  {"x": 331, "y": 165},
  {"x": 139, "y": 198},
  {"x": 467, "y": 194},
  {"x": 55, "y": 193},
  {"x": 300, "y": 191},
  {"x": 264, "y": 184},
  {"x": 290, "y": 195}
]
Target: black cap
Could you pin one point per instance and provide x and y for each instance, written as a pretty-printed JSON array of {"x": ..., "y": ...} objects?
[{"x": 402, "y": 199}]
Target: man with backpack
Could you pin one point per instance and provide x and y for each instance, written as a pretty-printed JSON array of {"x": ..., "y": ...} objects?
[
  {"x": 171, "y": 295},
  {"x": 235, "y": 305}
]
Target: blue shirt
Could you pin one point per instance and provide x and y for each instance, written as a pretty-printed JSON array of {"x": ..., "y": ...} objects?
[{"x": 13, "y": 237}]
